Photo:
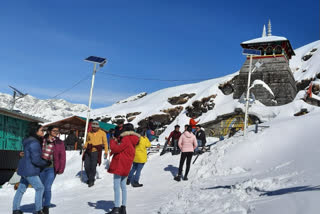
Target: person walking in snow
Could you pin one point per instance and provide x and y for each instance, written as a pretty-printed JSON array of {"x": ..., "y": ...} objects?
[
  {"x": 123, "y": 152},
  {"x": 140, "y": 159},
  {"x": 201, "y": 138},
  {"x": 187, "y": 144},
  {"x": 193, "y": 123},
  {"x": 29, "y": 169},
  {"x": 53, "y": 150},
  {"x": 93, "y": 151},
  {"x": 174, "y": 138}
]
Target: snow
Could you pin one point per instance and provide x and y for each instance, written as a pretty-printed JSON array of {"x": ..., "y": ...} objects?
[
  {"x": 265, "y": 39},
  {"x": 260, "y": 82},
  {"x": 133, "y": 98},
  {"x": 273, "y": 171},
  {"x": 301, "y": 69}
]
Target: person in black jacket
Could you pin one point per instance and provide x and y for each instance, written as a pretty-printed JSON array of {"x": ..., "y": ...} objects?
[
  {"x": 118, "y": 130},
  {"x": 201, "y": 138}
]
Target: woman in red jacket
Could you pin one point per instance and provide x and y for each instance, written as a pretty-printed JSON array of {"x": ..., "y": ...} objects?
[{"x": 123, "y": 154}]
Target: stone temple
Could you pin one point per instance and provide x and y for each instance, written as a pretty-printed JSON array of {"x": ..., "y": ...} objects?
[{"x": 273, "y": 83}]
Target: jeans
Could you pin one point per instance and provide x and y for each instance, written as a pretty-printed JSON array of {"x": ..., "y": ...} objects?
[
  {"x": 183, "y": 157},
  {"x": 119, "y": 182},
  {"x": 90, "y": 164},
  {"x": 36, "y": 184},
  {"x": 47, "y": 177},
  {"x": 136, "y": 168},
  {"x": 199, "y": 144}
]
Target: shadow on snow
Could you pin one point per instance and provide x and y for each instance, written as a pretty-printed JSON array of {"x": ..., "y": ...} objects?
[
  {"x": 102, "y": 205},
  {"x": 174, "y": 170}
]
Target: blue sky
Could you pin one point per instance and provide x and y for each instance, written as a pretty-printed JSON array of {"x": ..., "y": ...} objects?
[{"x": 43, "y": 43}]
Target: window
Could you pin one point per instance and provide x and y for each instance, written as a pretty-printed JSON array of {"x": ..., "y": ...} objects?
[
  {"x": 269, "y": 50},
  {"x": 262, "y": 50},
  {"x": 278, "y": 50}
]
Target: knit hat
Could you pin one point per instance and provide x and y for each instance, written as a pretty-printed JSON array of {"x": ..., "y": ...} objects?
[{"x": 95, "y": 124}]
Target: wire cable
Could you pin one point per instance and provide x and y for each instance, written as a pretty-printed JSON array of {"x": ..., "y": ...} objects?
[
  {"x": 151, "y": 79},
  {"x": 73, "y": 86}
]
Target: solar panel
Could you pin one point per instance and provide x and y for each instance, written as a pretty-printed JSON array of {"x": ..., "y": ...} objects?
[{"x": 95, "y": 59}]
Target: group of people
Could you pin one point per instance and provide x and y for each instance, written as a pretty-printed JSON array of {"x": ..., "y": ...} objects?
[
  {"x": 43, "y": 158},
  {"x": 188, "y": 143}
]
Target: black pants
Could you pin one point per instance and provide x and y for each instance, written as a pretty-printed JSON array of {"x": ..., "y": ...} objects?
[
  {"x": 183, "y": 157},
  {"x": 90, "y": 164}
]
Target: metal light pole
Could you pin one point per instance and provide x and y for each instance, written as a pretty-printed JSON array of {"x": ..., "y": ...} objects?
[
  {"x": 247, "y": 99},
  {"x": 251, "y": 53},
  {"x": 95, "y": 60},
  {"x": 90, "y": 100}
]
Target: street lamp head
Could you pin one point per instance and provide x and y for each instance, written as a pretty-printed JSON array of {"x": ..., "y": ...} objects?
[
  {"x": 258, "y": 64},
  {"x": 103, "y": 63}
]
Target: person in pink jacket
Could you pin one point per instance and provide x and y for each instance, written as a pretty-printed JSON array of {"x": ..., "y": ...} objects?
[{"x": 187, "y": 144}]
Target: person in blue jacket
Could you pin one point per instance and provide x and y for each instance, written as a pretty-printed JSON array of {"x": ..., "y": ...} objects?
[{"x": 29, "y": 168}]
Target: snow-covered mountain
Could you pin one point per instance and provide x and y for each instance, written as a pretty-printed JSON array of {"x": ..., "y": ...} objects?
[
  {"x": 50, "y": 109},
  {"x": 305, "y": 66}
]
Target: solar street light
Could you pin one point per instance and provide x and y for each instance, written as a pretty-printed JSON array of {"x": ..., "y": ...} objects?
[{"x": 96, "y": 61}]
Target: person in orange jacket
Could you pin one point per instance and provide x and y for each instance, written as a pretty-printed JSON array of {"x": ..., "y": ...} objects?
[{"x": 193, "y": 123}]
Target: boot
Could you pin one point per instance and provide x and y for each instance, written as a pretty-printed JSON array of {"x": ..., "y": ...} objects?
[
  {"x": 45, "y": 210},
  {"x": 185, "y": 178},
  {"x": 123, "y": 210},
  {"x": 177, "y": 178},
  {"x": 91, "y": 183},
  {"x": 17, "y": 212},
  {"x": 128, "y": 182},
  {"x": 136, "y": 184},
  {"x": 115, "y": 210}
]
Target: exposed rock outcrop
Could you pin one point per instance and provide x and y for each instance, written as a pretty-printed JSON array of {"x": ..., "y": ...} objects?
[
  {"x": 181, "y": 99},
  {"x": 227, "y": 88},
  {"x": 199, "y": 107}
]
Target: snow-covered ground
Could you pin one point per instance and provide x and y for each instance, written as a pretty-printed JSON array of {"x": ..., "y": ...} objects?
[{"x": 275, "y": 171}]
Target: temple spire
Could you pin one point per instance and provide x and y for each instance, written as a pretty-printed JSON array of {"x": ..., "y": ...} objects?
[
  {"x": 264, "y": 34},
  {"x": 269, "y": 28}
]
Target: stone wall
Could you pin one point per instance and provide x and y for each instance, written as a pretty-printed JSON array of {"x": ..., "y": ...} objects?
[{"x": 276, "y": 73}]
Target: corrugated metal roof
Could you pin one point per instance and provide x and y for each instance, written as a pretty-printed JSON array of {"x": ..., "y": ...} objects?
[{"x": 21, "y": 115}]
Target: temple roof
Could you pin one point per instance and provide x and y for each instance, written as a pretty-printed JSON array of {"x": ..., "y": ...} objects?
[{"x": 265, "y": 39}]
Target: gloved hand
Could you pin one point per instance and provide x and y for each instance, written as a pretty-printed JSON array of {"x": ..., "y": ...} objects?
[
  {"x": 49, "y": 163},
  {"x": 105, "y": 155}
]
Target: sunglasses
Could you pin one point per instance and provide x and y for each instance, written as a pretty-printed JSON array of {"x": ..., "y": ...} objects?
[{"x": 55, "y": 131}]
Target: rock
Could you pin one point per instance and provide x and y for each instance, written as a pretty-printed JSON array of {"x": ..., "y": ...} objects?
[
  {"x": 227, "y": 88},
  {"x": 199, "y": 107},
  {"x": 132, "y": 114},
  {"x": 181, "y": 99},
  {"x": 130, "y": 119},
  {"x": 303, "y": 111},
  {"x": 304, "y": 84}
]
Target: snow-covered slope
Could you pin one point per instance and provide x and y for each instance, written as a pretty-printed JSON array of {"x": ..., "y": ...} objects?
[
  {"x": 274, "y": 171},
  {"x": 51, "y": 109}
]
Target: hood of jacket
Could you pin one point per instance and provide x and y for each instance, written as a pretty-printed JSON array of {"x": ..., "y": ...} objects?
[
  {"x": 127, "y": 133},
  {"x": 28, "y": 140},
  {"x": 188, "y": 134}
]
